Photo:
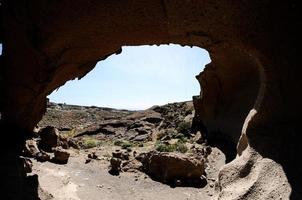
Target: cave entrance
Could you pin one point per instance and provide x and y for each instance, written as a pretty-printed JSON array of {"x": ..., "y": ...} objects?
[
  {"x": 130, "y": 105},
  {"x": 138, "y": 78}
]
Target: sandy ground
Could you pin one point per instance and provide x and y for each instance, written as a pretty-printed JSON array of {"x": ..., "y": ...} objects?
[{"x": 77, "y": 180}]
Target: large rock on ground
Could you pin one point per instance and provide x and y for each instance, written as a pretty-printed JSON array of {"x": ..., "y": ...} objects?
[
  {"x": 61, "y": 156},
  {"x": 49, "y": 138},
  {"x": 169, "y": 167},
  {"x": 115, "y": 166}
]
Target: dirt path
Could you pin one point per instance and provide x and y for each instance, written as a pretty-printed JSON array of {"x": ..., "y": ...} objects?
[{"x": 77, "y": 180}]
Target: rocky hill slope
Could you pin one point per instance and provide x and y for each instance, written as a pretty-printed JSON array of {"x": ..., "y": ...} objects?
[{"x": 155, "y": 147}]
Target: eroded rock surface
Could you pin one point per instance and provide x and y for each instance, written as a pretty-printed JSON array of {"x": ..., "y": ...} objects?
[
  {"x": 172, "y": 167},
  {"x": 254, "y": 47}
]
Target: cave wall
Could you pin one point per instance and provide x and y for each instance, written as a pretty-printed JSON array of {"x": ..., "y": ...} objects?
[
  {"x": 229, "y": 86},
  {"x": 250, "y": 90}
]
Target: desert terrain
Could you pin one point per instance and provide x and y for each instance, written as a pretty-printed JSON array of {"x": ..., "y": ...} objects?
[{"x": 94, "y": 153}]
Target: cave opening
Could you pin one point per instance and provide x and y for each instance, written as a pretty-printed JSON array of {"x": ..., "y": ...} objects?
[
  {"x": 138, "y": 78},
  {"x": 255, "y": 69},
  {"x": 159, "y": 81}
]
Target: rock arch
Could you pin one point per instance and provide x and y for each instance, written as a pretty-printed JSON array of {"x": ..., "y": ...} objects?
[{"x": 46, "y": 43}]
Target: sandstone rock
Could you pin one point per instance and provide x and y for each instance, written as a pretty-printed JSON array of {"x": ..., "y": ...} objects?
[
  {"x": 168, "y": 167},
  {"x": 49, "y": 138},
  {"x": 31, "y": 148},
  {"x": 60, "y": 156}
]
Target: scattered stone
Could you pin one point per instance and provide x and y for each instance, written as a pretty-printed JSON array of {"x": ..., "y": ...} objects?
[
  {"x": 31, "y": 148},
  {"x": 140, "y": 138},
  {"x": 92, "y": 155},
  {"x": 42, "y": 156},
  {"x": 60, "y": 156},
  {"x": 88, "y": 160}
]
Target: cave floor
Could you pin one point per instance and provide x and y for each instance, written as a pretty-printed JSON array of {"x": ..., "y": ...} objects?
[{"x": 77, "y": 180}]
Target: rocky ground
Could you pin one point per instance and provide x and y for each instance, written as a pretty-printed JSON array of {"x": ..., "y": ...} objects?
[{"x": 91, "y": 153}]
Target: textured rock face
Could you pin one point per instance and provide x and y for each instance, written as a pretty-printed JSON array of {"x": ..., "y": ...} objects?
[
  {"x": 170, "y": 167},
  {"x": 254, "y": 50}
]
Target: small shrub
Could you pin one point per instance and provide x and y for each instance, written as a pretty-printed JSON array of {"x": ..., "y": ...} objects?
[
  {"x": 181, "y": 137},
  {"x": 68, "y": 134},
  {"x": 177, "y": 147},
  {"x": 126, "y": 145},
  {"x": 118, "y": 143},
  {"x": 184, "y": 127},
  {"x": 123, "y": 144},
  {"x": 165, "y": 148},
  {"x": 189, "y": 111},
  {"x": 181, "y": 147},
  {"x": 88, "y": 143}
]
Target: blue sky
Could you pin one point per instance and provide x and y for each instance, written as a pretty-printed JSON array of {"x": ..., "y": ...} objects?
[{"x": 138, "y": 78}]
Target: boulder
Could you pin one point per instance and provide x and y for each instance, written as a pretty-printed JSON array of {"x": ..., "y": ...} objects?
[
  {"x": 115, "y": 166},
  {"x": 168, "y": 167},
  {"x": 49, "y": 138},
  {"x": 61, "y": 156},
  {"x": 31, "y": 148}
]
